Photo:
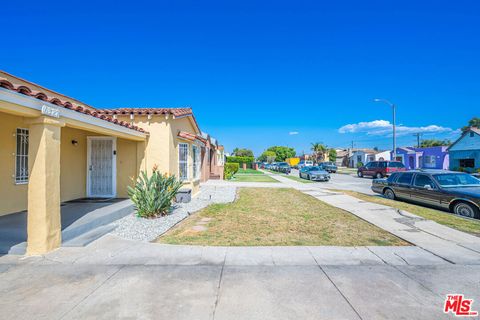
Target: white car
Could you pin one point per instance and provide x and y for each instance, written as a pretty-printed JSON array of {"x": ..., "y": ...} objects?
[{"x": 305, "y": 163}]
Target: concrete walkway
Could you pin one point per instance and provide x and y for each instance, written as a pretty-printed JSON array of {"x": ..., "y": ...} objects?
[
  {"x": 116, "y": 278},
  {"x": 452, "y": 245}
]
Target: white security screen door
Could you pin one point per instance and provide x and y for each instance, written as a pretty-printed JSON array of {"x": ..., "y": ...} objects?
[{"x": 101, "y": 168}]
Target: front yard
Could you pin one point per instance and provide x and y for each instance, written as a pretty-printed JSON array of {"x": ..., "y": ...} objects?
[
  {"x": 441, "y": 217},
  {"x": 250, "y": 175},
  {"x": 277, "y": 217}
]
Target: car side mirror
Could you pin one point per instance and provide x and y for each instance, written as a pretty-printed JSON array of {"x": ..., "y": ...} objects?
[{"x": 427, "y": 187}]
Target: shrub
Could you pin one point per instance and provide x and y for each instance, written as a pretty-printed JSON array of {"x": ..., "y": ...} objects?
[
  {"x": 230, "y": 169},
  {"x": 240, "y": 159},
  {"x": 153, "y": 195},
  {"x": 359, "y": 164}
]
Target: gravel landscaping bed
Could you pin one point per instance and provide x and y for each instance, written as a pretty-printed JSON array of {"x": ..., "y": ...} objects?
[{"x": 134, "y": 228}]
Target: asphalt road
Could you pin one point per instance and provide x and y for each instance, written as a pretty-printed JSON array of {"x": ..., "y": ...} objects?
[{"x": 344, "y": 182}]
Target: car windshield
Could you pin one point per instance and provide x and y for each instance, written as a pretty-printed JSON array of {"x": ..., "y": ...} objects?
[
  {"x": 453, "y": 180},
  {"x": 314, "y": 168}
]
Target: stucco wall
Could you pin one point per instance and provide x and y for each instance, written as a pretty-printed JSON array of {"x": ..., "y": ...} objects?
[
  {"x": 127, "y": 166},
  {"x": 157, "y": 149},
  {"x": 162, "y": 145},
  {"x": 73, "y": 165},
  {"x": 13, "y": 197}
]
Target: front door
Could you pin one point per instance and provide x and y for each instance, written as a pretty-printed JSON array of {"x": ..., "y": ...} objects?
[{"x": 101, "y": 167}]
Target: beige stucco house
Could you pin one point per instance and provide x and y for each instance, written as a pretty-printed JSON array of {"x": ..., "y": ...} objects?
[{"x": 55, "y": 148}]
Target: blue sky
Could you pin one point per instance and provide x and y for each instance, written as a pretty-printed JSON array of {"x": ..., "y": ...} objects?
[{"x": 256, "y": 71}]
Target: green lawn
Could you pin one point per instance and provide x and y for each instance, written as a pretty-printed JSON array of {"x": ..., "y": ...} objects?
[
  {"x": 252, "y": 178},
  {"x": 441, "y": 217},
  {"x": 277, "y": 217},
  {"x": 249, "y": 171}
]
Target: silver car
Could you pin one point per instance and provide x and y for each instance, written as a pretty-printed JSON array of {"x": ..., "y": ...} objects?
[{"x": 314, "y": 173}]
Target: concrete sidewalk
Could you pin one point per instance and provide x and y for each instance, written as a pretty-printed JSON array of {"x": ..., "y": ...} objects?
[
  {"x": 452, "y": 245},
  {"x": 116, "y": 278}
]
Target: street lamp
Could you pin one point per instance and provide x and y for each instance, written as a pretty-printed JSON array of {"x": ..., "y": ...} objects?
[{"x": 394, "y": 138}]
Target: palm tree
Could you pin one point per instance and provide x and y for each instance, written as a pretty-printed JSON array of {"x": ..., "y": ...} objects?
[{"x": 319, "y": 150}]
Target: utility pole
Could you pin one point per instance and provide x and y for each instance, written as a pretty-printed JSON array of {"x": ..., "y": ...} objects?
[{"x": 418, "y": 135}]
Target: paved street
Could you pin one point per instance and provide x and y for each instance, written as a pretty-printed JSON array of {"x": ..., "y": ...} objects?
[{"x": 344, "y": 182}]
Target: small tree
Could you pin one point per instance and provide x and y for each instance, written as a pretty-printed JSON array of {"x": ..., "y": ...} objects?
[
  {"x": 282, "y": 153},
  {"x": 434, "y": 143},
  {"x": 332, "y": 155},
  {"x": 268, "y": 156},
  {"x": 474, "y": 122},
  {"x": 242, "y": 152}
]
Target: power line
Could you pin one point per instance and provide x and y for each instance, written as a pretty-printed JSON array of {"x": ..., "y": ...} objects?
[{"x": 418, "y": 135}]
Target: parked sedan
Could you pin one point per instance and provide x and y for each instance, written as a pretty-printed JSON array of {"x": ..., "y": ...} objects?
[
  {"x": 284, "y": 167},
  {"x": 454, "y": 191},
  {"x": 330, "y": 167},
  {"x": 314, "y": 173}
]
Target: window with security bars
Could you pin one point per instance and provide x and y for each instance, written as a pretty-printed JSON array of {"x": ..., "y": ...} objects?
[
  {"x": 196, "y": 162},
  {"x": 183, "y": 161},
  {"x": 21, "y": 157}
]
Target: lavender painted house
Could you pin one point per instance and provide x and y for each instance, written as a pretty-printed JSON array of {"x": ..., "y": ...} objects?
[{"x": 423, "y": 158}]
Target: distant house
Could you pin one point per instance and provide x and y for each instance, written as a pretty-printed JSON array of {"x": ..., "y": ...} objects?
[
  {"x": 341, "y": 159},
  {"x": 423, "y": 158},
  {"x": 367, "y": 155},
  {"x": 465, "y": 152}
]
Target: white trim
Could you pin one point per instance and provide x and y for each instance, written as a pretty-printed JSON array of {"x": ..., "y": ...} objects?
[
  {"x": 114, "y": 165},
  {"x": 33, "y": 103}
]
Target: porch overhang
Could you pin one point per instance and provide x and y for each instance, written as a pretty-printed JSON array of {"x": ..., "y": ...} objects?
[{"x": 22, "y": 105}]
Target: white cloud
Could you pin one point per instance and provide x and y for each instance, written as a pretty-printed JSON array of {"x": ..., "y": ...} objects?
[
  {"x": 292, "y": 133},
  {"x": 384, "y": 127}
]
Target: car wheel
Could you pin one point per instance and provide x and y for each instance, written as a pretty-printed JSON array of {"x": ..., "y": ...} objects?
[
  {"x": 389, "y": 194},
  {"x": 379, "y": 175},
  {"x": 466, "y": 209},
  {"x": 360, "y": 174},
  {"x": 308, "y": 177}
]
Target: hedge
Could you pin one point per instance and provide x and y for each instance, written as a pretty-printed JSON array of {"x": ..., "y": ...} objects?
[
  {"x": 230, "y": 169},
  {"x": 234, "y": 159}
]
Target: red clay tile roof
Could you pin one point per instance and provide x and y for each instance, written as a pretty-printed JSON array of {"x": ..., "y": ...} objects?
[
  {"x": 187, "y": 135},
  {"x": 13, "y": 83},
  {"x": 177, "y": 112},
  {"x": 190, "y": 136}
]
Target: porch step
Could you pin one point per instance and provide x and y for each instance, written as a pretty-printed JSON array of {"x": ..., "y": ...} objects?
[
  {"x": 78, "y": 231},
  {"x": 89, "y": 236},
  {"x": 7, "y": 248},
  {"x": 97, "y": 218}
]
